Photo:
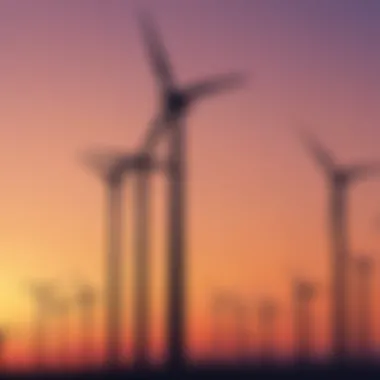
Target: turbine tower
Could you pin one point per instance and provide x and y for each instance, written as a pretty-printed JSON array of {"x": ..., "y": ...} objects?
[
  {"x": 61, "y": 309},
  {"x": 339, "y": 178},
  {"x": 4, "y": 335},
  {"x": 242, "y": 330},
  {"x": 175, "y": 102},
  {"x": 112, "y": 167},
  {"x": 42, "y": 293},
  {"x": 267, "y": 317},
  {"x": 142, "y": 275},
  {"x": 111, "y": 170},
  {"x": 364, "y": 270},
  {"x": 219, "y": 303},
  {"x": 303, "y": 293},
  {"x": 86, "y": 298}
]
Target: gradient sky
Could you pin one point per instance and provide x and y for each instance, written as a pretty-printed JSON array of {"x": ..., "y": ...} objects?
[{"x": 74, "y": 75}]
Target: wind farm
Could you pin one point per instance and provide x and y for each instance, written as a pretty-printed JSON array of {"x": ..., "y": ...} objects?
[{"x": 177, "y": 216}]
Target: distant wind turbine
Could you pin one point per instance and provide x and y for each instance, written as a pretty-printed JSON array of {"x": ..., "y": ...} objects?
[
  {"x": 86, "y": 299},
  {"x": 142, "y": 270},
  {"x": 61, "y": 309},
  {"x": 175, "y": 102},
  {"x": 364, "y": 270},
  {"x": 111, "y": 169},
  {"x": 375, "y": 224},
  {"x": 303, "y": 294},
  {"x": 242, "y": 329},
  {"x": 4, "y": 335},
  {"x": 43, "y": 294},
  {"x": 338, "y": 178},
  {"x": 268, "y": 310},
  {"x": 112, "y": 166},
  {"x": 220, "y": 302}
]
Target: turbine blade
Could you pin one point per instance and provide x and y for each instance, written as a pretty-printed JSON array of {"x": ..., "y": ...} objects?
[
  {"x": 155, "y": 50},
  {"x": 364, "y": 170},
  {"x": 103, "y": 161},
  {"x": 320, "y": 153},
  {"x": 156, "y": 129},
  {"x": 215, "y": 86}
]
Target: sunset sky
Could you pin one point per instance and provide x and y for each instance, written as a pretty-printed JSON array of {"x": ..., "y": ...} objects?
[{"x": 74, "y": 75}]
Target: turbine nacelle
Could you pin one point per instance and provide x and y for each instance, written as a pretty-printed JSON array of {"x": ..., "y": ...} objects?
[
  {"x": 345, "y": 174},
  {"x": 112, "y": 165},
  {"x": 175, "y": 103},
  {"x": 305, "y": 290},
  {"x": 43, "y": 294},
  {"x": 339, "y": 175}
]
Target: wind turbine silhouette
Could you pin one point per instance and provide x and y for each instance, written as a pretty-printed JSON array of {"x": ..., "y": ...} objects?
[
  {"x": 112, "y": 166},
  {"x": 111, "y": 170},
  {"x": 364, "y": 270},
  {"x": 242, "y": 329},
  {"x": 61, "y": 307},
  {"x": 304, "y": 292},
  {"x": 86, "y": 299},
  {"x": 42, "y": 293},
  {"x": 141, "y": 307},
  {"x": 268, "y": 310},
  {"x": 4, "y": 335},
  {"x": 339, "y": 178},
  {"x": 375, "y": 223},
  {"x": 219, "y": 303},
  {"x": 175, "y": 102}
]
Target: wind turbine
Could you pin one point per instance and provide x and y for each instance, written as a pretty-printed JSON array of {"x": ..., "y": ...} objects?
[
  {"x": 304, "y": 292},
  {"x": 339, "y": 178},
  {"x": 4, "y": 335},
  {"x": 86, "y": 299},
  {"x": 375, "y": 224},
  {"x": 112, "y": 166},
  {"x": 111, "y": 170},
  {"x": 61, "y": 307},
  {"x": 42, "y": 293},
  {"x": 238, "y": 310},
  {"x": 219, "y": 303},
  {"x": 364, "y": 270},
  {"x": 268, "y": 310},
  {"x": 242, "y": 329},
  {"x": 175, "y": 102},
  {"x": 141, "y": 306}
]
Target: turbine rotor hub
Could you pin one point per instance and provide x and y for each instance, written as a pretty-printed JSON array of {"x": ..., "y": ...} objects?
[
  {"x": 176, "y": 102},
  {"x": 143, "y": 162},
  {"x": 341, "y": 178}
]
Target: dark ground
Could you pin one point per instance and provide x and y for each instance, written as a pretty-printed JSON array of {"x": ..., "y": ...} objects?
[{"x": 223, "y": 372}]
